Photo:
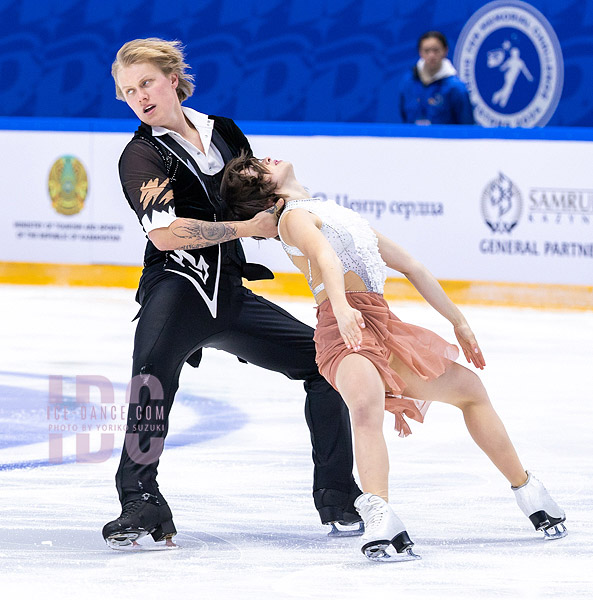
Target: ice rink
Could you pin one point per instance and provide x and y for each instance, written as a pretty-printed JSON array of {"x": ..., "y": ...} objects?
[{"x": 237, "y": 468}]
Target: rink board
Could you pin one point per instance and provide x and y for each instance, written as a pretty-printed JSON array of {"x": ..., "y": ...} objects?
[
  {"x": 493, "y": 211},
  {"x": 293, "y": 285}
]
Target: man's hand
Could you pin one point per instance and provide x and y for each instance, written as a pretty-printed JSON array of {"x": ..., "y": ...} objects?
[{"x": 266, "y": 222}]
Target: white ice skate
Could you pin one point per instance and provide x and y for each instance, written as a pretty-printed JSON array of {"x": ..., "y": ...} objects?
[
  {"x": 385, "y": 538},
  {"x": 537, "y": 505}
]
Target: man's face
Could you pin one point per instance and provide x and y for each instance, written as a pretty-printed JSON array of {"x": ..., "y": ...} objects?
[{"x": 149, "y": 92}]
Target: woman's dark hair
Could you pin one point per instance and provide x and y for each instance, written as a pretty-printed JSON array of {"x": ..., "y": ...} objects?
[
  {"x": 433, "y": 34},
  {"x": 244, "y": 188}
]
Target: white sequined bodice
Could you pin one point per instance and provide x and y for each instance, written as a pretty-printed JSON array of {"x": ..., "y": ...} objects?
[{"x": 350, "y": 236}]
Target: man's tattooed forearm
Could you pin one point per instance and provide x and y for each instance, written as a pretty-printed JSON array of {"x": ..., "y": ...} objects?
[{"x": 204, "y": 233}]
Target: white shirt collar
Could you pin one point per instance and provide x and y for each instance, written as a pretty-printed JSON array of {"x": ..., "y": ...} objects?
[{"x": 199, "y": 120}]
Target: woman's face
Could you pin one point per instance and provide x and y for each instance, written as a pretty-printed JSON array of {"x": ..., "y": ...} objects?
[
  {"x": 277, "y": 171},
  {"x": 280, "y": 171},
  {"x": 149, "y": 92},
  {"x": 433, "y": 52}
]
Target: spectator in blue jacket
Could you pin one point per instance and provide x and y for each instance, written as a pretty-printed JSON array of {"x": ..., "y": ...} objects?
[{"x": 432, "y": 93}]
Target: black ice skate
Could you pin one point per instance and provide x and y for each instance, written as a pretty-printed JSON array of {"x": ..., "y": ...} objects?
[
  {"x": 385, "y": 538},
  {"x": 337, "y": 508},
  {"x": 537, "y": 505},
  {"x": 139, "y": 518}
]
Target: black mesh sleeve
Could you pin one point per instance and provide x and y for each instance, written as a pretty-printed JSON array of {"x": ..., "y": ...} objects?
[{"x": 146, "y": 185}]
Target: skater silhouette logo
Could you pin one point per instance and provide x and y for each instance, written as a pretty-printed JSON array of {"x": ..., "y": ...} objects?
[{"x": 510, "y": 59}]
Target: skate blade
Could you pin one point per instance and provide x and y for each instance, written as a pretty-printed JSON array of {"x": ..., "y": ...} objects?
[
  {"x": 335, "y": 532},
  {"x": 146, "y": 546},
  {"x": 556, "y": 532},
  {"x": 127, "y": 542},
  {"x": 387, "y": 553}
]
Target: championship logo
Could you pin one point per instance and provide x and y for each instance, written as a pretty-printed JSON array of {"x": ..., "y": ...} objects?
[
  {"x": 509, "y": 57},
  {"x": 68, "y": 185},
  {"x": 501, "y": 204}
]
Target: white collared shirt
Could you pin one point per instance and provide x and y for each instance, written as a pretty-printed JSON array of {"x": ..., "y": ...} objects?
[{"x": 210, "y": 162}]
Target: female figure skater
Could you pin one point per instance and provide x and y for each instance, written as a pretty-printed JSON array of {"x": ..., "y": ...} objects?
[{"x": 372, "y": 358}]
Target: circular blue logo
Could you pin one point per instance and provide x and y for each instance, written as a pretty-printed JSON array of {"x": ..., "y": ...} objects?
[{"x": 509, "y": 57}]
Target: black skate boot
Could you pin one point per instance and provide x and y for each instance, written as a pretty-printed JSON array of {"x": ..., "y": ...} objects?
[
  {"x": 138, "y": 518},
  {"x": 337, "y": 508}
]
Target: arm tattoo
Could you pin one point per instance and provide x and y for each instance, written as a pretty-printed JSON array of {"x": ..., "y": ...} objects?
[{"x": 200, "y": 234}]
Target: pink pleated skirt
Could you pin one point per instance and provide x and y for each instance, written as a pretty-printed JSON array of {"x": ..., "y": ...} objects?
[{"x": 424, "y": 352}]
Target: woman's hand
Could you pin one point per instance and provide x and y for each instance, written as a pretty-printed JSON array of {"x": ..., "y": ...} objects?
[
  {"x": 350, "y": 323},
  {"x": 467, "y": 341}
]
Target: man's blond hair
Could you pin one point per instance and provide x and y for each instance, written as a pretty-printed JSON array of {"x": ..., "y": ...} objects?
[{"x": 167, "y": 56}]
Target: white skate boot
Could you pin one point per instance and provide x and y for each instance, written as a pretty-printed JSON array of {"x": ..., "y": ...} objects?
[
  {"x": 385, "y": 538},
  {"x": 537, "y": 505}
]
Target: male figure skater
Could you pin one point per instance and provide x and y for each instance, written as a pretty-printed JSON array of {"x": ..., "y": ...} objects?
[{"x": 192, "y": 295}]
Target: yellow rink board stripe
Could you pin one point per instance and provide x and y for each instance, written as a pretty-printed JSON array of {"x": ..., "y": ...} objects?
[
  {"x": 293, "y": 285},
  {"x": 58, "y": 274},
  {"x": 567, "y": 297}
]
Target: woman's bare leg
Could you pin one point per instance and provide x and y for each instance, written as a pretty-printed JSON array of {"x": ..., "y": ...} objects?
[
  {"x": 363, "y": 390},
  {"x": 463, "y": 388}
]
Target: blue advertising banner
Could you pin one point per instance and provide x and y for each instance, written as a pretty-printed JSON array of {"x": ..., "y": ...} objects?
[{"x": 525, "y": 63}]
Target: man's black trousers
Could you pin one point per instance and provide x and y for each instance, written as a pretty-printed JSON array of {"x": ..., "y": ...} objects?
[{"x": 174, "y": 325}]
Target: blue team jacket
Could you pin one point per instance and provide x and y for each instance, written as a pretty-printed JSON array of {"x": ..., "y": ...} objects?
[{"x": 442, "y": 102}]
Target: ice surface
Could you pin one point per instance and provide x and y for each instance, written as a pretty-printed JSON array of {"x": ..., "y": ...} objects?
[{"x": 237, "y": 470}]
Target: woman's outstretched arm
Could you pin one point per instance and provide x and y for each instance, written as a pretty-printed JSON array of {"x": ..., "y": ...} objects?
[
  {"x": 423, "y": 280},
  {"x": 300, "y": 228}
]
